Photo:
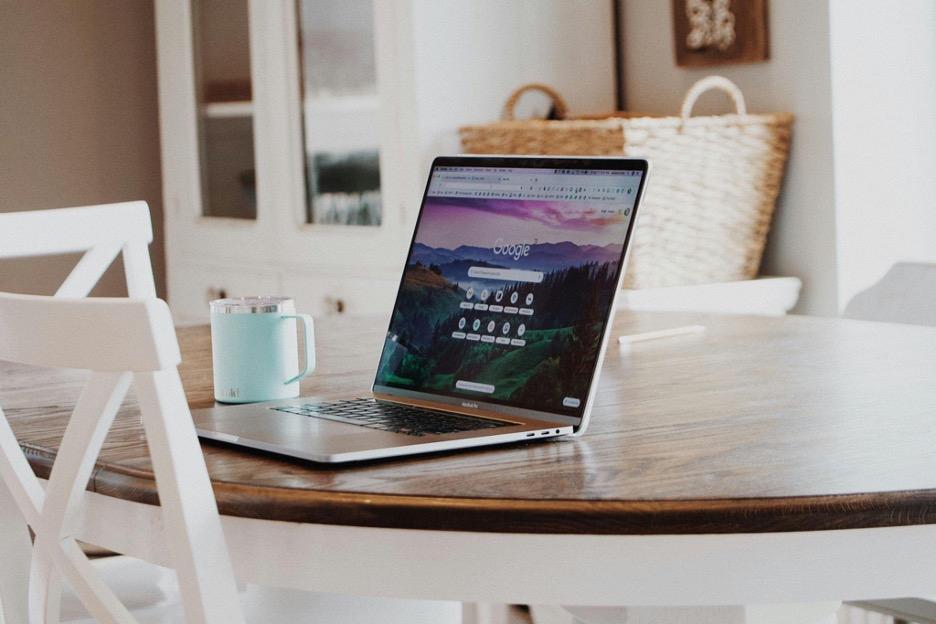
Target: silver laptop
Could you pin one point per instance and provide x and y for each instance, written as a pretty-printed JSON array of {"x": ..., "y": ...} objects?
[{"x": 500, "y": 322}]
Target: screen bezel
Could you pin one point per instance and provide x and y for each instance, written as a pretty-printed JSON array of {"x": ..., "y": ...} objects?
[{"x": 478, "y": 405}]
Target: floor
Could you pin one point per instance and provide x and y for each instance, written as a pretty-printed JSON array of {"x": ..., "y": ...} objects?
[{"x": 505, "y": 614}]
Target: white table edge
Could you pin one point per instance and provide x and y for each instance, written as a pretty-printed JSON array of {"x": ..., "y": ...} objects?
[{"x": 598, "y": 570}]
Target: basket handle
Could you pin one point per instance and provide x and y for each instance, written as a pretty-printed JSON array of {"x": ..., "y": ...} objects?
[
  {"x": 559, "y": 104},
  {"x": 706, "y": 84}
]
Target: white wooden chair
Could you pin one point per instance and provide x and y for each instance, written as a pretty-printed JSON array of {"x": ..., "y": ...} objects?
[
  {"x": 124, "y": 343},
  {"x": 906, "y": 294},
  {"x": 101, "y": 232}
]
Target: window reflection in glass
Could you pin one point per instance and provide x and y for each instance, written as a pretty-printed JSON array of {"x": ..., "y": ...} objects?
[
  {"x": 340, "y": 111},
  {"x": 225, "y": 109}
]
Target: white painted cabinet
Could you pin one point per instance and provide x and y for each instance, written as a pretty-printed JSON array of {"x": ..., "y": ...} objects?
[{"x": 250, "y": 129}]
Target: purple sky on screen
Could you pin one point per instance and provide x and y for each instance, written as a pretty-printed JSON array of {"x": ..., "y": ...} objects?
[{"x": 450, "y": 222}]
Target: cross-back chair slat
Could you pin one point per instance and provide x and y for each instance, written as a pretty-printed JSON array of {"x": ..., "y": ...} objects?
[
  {"x": 55, "y": 557},
  {"x": 100, "y": 232}
]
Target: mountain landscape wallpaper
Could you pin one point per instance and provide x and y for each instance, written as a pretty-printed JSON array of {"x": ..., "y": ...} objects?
[{"x": 531, "y": 341}]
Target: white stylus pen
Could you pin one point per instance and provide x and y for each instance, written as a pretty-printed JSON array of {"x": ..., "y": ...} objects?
[{"x": 663, "y": 333}]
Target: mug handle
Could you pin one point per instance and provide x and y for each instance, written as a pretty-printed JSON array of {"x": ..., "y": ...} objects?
[{"x": 308, "y": 345}]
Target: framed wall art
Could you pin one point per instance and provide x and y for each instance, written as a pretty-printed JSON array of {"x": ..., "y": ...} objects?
[{"x": 714, "y": 32}]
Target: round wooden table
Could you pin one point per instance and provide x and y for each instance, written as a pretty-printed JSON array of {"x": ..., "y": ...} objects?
[{"x": 766, "y": 460}]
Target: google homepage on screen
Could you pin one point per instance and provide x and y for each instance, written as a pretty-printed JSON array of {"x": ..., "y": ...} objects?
[{"x": 508, "y": 285}]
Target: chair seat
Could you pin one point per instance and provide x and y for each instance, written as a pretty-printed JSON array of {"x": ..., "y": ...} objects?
[
  {"x": 149, "y": 591},
  {"x": 920, "y": 610},
  {"x": 906, "y": 294}
]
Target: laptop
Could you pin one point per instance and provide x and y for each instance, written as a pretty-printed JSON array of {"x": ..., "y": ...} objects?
[{"x": 500, "y": 322}]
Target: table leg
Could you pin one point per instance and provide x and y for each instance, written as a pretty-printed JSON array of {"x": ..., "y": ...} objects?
[
  {"x": 494, "y": 613},
  {"x": 15, "y": 553},
  {"x": 477, "y": 613},
  {"x": 810, "y": 613}
]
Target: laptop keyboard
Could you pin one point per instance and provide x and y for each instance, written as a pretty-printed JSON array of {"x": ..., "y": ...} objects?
[{"x": 389, "y": 417}]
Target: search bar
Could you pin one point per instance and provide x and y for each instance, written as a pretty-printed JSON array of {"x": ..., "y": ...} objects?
[
  {"x": 480, "y": 186},
  {"x": 507, "y": 275}
]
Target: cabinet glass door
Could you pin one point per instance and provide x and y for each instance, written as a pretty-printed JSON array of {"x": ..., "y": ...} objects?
[
  {"x": 340, "y": 112},
  {"x": 225, "y": 108}
]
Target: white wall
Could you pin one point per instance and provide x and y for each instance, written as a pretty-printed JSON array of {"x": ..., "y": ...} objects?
[
  {"x": 860, "y": 76},
  {"x": 884, "y": 97},
  {"x": 470, "y": 56},
  {"x": 78, "y": 119}
]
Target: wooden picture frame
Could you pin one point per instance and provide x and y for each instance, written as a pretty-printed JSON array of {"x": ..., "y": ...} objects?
[{"x": 715, "y": 32}]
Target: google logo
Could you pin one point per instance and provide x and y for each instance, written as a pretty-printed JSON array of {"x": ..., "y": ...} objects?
[{"x": 516, "y": 250}]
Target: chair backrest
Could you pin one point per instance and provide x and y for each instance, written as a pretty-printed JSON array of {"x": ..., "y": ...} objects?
[
  {"x": 101, "y": 232},
  {"x": 124, "y": 343},
  {"x": 906, "y": 294}
]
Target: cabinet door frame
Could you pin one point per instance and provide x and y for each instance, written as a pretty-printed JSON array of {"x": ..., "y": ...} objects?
[
  {"x": 279, "y": 240},
  {"x": 188, "y": 233},
  {"x": 362, "y": 250}
]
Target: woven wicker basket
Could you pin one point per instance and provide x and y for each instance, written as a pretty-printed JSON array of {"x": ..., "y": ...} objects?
[{"x": 713, "y": 189}]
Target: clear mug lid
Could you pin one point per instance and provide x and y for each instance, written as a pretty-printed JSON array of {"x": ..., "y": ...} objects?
[{"x": 253, "y": 305}]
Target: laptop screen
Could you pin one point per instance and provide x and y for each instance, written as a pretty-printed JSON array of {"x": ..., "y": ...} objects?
[{"x": 510, "y": 280}]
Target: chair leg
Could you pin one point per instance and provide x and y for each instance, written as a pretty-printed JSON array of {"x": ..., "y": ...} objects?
[{"x": 15, "y": 553}]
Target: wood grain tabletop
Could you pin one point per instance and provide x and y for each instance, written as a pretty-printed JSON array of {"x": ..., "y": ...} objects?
[{"x": 758, "y": 424}]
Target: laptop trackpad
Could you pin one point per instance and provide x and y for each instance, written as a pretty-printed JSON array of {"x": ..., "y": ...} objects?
[{"x": 281, "y": 428}]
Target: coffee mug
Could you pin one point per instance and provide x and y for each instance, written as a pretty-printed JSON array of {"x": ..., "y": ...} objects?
[{"x": 254, "y": 348}]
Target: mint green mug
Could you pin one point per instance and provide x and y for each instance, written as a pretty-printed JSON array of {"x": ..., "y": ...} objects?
[{"x": 254, "y": 346}]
